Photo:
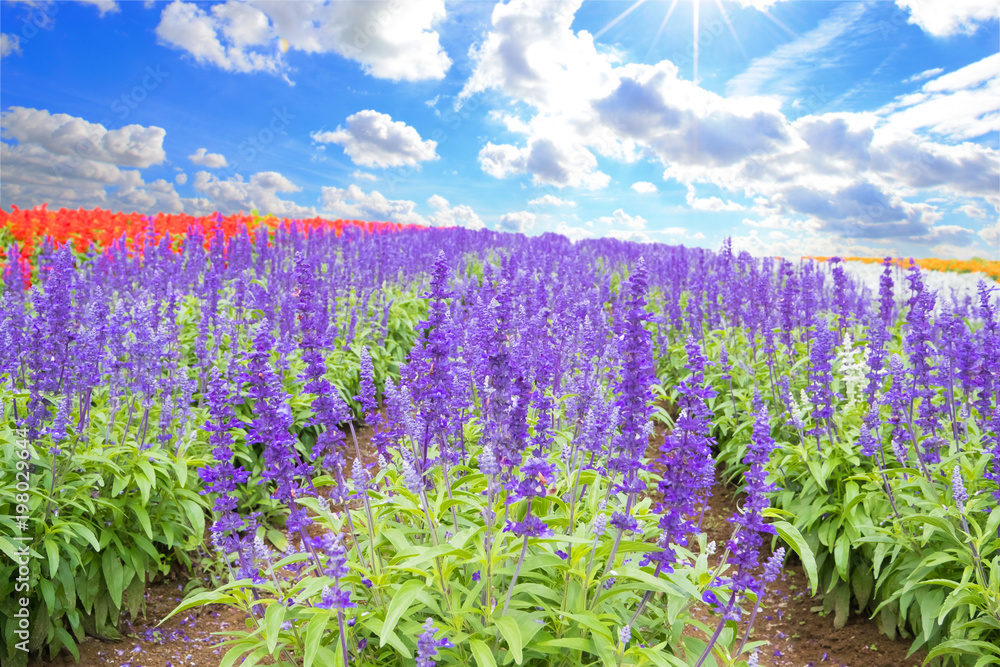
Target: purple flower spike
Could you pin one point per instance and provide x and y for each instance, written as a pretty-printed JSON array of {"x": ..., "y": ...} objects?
[{"x": 427, "y": 646}]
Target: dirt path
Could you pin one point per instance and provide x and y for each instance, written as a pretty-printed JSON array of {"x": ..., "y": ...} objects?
[{"x": 799, "y": 636}]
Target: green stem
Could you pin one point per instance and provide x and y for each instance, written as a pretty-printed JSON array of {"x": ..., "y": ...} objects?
[{"x": 517, "y": 571}]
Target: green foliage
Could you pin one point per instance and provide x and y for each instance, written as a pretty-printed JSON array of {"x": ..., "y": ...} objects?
[
  {"x": 915, "y": 569},
  {"x": 435, "y": 554},
  {"x": 105, "y": 518}
]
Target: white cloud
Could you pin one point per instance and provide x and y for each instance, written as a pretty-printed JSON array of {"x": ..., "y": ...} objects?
[
  {"x": 65, "y": 161},
  {"x": 102, "y": 6},
  {"x": 517, "y": 221},
  {"x": 260, "y": 192},
  {"x": 548, "y": 162},
  {"x": 970, "y": 76},
  {"x": 991, "y": 235},
  {"x": 532, "y": 55},
  {"x": 620, "y": 220},
  {"x": 65, "y": 135},
  {"x": 390, "y": 39},
  {"x": 629, "y": 235},
  {"x": 359, "y": 175},
  {"x": 677, "y": 234},
  {"x": 951, "y": 251},
  {"x": 849, "y": 176},
  {"x": 786, "y": 68},
  {"x": 203, "y": 158},
  {"x": 551, "y": 200},
  {"x": 710, "y": 203},
  {"x": 958, "y": 106},
  {"x": 945, "y": 18},
  {"x": 758, "y": 4},
  {"x": 926, "y": 74},
  {"x": 31, "y": 174},
  {"x": 644, "y": 187},
  {"x": 9, "y": 44},
  {"x": 972, "y": 210},
  {"x": 373, "y": 139},
  {"x": 573, "y": 233},
  {"x": 355, "y": 204},
  {"x": 501, "y": 161},
  {"x": 446, "y": 215}
]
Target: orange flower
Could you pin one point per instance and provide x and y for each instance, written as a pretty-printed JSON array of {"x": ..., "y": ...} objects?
[
  {"x": 990, "y": 268},
  {"x": 135, "y": 231}
]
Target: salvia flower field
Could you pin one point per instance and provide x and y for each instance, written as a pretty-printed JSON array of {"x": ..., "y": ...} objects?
[{"x": 390, "y": 445}]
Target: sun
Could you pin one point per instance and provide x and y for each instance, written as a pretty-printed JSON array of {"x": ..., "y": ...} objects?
[{"x": 696, "y": 16}]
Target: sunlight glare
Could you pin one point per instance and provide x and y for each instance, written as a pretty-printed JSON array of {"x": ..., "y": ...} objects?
[{"x": 635, "y": 5}]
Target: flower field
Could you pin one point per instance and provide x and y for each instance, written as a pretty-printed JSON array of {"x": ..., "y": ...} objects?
[{"x": 381, "y": 444}]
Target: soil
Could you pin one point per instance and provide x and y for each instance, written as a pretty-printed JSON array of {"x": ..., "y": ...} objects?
[
  {"x": 791, "y": 620},
  {"x": 189, "y": 639},
  {"x": 798, "y": 635}
]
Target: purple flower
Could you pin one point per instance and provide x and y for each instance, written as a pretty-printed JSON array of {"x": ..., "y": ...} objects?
[
  {"x": 958, "y": 491},
  {"x": 427, "y": 646},
  {"x": 411, "y": 477},
  {"x": 366, "y": 395},
  {"x": 748, "y": 538},
  {"x": 331, "y": 545},
  {"x": 532, "y": 526},
  {"x": 534, "y": 479},
  {"x": 359, "y": 476},
  {"x": 686, "y": 460},
  {"x": 919, "y": 344},
  {"x": 821, "y": 372},
  {"x": 429, "y": 373},
  {"x": 600, "y": 524}
]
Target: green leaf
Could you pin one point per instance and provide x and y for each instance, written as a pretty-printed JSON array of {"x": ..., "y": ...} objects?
[
  {"x": 791, "y": 536},
  {"x": 481, "y": 652},
  {"x": 67, "y": 639},
  {"x": 375, "y": 625},
  {"x": 86, "y": 533},
  {"x": 313, "y": 632},
  {"x": 397, "y": 607},
  {"x": 143, "y": 517},
  {"x": 273, "y": 618},
  {"x": 52, "y": 549},
  {"x": 119, "y": 485},
  {"x": 574, "y": 643},
  {"x": 512, "y": 633},
  {"x": 842, "y": 556},
  {"x": 207, "y": 597},
  {"x": 112, "y": 566},
  {"x": 662, "y": 657}
]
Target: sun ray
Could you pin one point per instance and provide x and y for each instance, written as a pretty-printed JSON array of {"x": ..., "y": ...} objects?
[
  {"x": 614, "y": 21},
  {"x": 791, "y": 33},
  {"x": 696, "y": 5},
  {"x": 732, "y": 31},
  {"x": 663, "y": 25}
]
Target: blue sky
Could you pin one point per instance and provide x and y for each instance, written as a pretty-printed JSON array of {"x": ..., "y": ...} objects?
[{"x": 816, "y": 127}]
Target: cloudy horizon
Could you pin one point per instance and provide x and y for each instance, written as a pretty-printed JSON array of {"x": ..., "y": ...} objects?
[{"x": 796, "y": 128}]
